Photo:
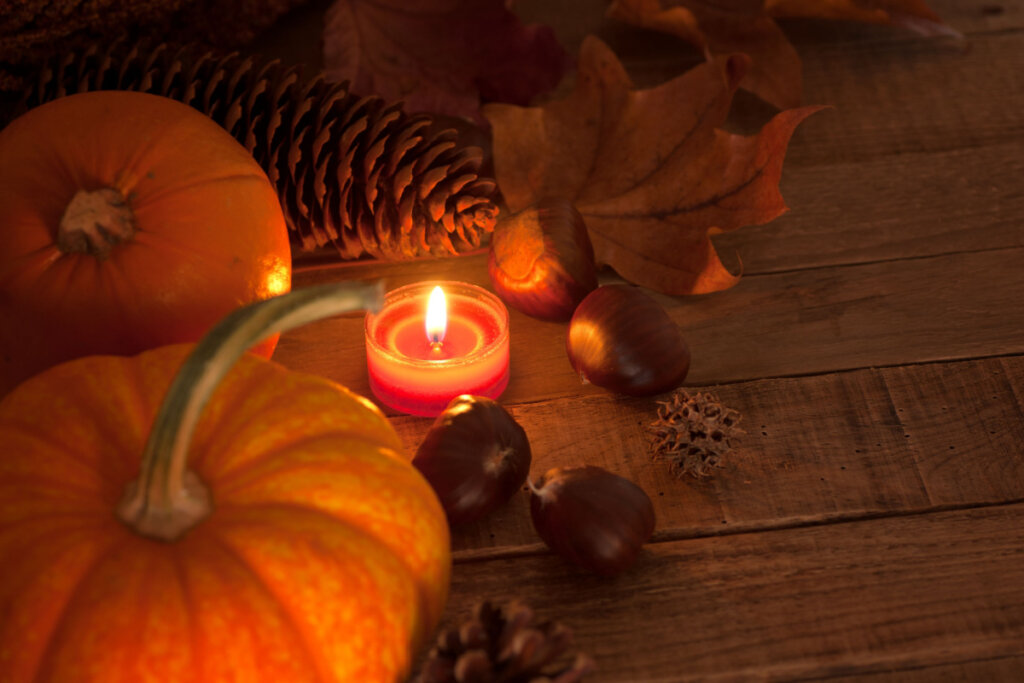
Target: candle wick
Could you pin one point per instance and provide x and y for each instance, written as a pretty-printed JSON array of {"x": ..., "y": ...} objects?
[{"x": 435, "y": 344}]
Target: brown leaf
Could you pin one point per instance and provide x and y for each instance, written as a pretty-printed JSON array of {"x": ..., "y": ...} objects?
[
  {"x": 650, "y": 170},
  {"x": 748, "y": 26},
  {"x": 724, "y": 28},
  {"x": 440, "y": 56}
]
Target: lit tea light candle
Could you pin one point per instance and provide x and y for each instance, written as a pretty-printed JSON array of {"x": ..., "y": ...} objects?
[{"x": 433, "y": 341}]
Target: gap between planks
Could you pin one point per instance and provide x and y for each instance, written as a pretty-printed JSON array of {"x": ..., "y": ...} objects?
[
  {"x": 471, "y": 555},
  {"x": 875, "y": 595},
  {"x": 928, "y": 309},
  {"x": 818, "y": 450}
]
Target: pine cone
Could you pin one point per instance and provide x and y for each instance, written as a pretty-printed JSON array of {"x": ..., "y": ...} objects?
[
  {"x": 351, "y": 172},
  {"x": 693, "y": 432},
  {"x": 503, "y": 645}
]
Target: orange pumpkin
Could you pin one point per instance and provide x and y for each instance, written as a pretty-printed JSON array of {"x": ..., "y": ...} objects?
[
  {"x": 127, "y": 221},
  {"x": 299, "y": 543}
]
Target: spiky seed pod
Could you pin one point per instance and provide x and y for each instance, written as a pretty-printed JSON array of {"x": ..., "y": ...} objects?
[
  {"x": 353, "y": 173},
  {"x": 693, "y": 432},
  {"x": 503, "y": 645}
]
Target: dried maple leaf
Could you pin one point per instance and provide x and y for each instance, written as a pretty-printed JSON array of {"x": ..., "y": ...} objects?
[
  {"x": 748, "y": 26},
  {"x": 650, "y": 170},
  {"x": 440, "y": 56},
  {"x": 722, "y": 28}
]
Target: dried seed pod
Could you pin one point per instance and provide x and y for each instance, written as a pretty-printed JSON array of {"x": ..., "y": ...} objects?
[
  {"x": 622, "y": 340},
  {"x": 541, "y": 261},
  {"x": 693, "y": 432},
  {"x": 475, "y": 456},
  {"x": 592, "y": 517}
]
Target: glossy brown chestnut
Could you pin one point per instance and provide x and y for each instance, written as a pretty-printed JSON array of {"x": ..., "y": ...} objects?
[
  {"x": 592, "y": 517},
  {"x": 622, "y": 340},
  {"x": 475, "y": 456},
  {"x": 541, "y": 261}
]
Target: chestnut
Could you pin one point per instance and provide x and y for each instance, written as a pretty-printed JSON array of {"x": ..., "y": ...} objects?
[
  {"x": 541, "y": 260},
  {"x": 592, "y": 517},
  {"x": 475, "y": 456},
  {"x": 622, "y": 340}
]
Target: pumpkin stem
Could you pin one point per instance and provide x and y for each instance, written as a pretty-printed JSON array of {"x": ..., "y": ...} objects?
[
  {"x": 167, "y": 499},
  {"x": 94, "y": 221}
]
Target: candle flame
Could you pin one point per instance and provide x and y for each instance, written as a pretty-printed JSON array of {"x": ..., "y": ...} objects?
[{"x": 437, "y": 316}]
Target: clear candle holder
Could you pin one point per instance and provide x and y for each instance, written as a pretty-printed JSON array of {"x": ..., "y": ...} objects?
[{"x": 412, "y": 373}]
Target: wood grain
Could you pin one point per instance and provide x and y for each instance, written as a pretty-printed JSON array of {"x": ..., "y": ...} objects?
[
  {"x": 997, "y": 669},
  {"x": 832, "y": 447},
  {"x": 941, "y": 308},
  {"x": 574, "y": 19},
  {"x": 904, "y": 97},
  {"x": 871, "y": 524},
  {"x": 854, "y": 212},
  {"x": 894, "y": 90},
  {"x": 811, "y": 602}
]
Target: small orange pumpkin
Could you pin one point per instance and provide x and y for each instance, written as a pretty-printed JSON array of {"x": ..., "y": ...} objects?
[
  {"x": 127, "y": 221},
  {"x": 299, "y": 544}
]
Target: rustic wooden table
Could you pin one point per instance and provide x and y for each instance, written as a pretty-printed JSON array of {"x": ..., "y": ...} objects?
[{"x": 871, "y": 524}]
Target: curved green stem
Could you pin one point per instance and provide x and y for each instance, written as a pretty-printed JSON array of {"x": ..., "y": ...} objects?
[{"x": 167, "y": 499}]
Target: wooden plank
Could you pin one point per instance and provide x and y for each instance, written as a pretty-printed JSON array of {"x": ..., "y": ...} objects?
[
  {"x": 891, "y": 93},
  {"x": 1014, "y": 368},
  {"x": 823, "y": 448},
  {"x": 897, "y": 97},
  {"x": 853, "y": 212},
  {"x": 937, "y": 98},
  {"x": 888, "y": 208},
  {"x": 811, "y": 602},
  {"x": 574, "y": 19},
  {"x": 942, "y": 308},
  {"x": 965, "y": 430},
  {"x": 894, "y": 91},
  {"x": 998, "y": 669},
  {"x": 295, "y": 38},
  {"x": 929, "y": 309}
]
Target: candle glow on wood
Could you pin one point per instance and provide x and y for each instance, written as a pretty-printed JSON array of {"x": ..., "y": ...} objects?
[{"x": 434, "y": 341}]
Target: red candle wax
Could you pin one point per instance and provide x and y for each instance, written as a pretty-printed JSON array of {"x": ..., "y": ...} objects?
[{"x": 412, "y": 373}]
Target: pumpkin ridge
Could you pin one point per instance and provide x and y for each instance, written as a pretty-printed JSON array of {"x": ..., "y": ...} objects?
[
  {"x": 241, "y": 474},
  {"x": 39, "y": 260},
  {"x": 357, "y": 521},
  {"x": 75, "y": 593},
  {"x": 422, "y": 616},
  {"x": 235, "y": 386},
  {"x": 111, "y": 468},
  {"x": 46, "y": 439},
  {"x": 288, "y": 617},
  {"x": 32, "y": 482},
  {"x": 238, "y": 387},
  {"x": 178, "y": 565},
  {"x": 120, "y": 289},
  {"x": 163, "y": 242},
  {"x": 167, "y": 190},
  {"x": 335, "y": 519},
  {"x": 414, "y": 575},
  {"x": 199, "y": 256}
]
